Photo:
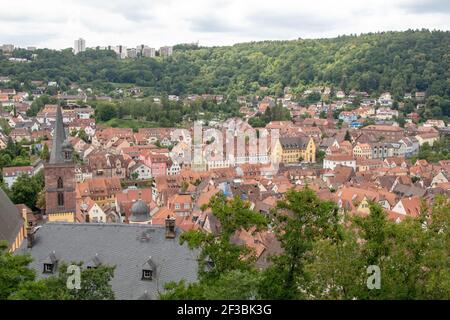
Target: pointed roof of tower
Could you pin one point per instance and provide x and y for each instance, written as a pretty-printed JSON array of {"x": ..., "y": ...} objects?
[{"x": 59, "y": 137}]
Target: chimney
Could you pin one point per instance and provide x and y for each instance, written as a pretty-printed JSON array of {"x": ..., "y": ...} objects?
[
  {"x": 170, "y": 227},
  {"x": 30, "y": 237}
]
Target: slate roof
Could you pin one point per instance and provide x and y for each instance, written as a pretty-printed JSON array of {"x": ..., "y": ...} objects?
[
  {"x": 294, "y": 142},
  {"x": 10, "y": 219},
  {"x": 128, "y": 247},
  {"x": 409, "y": 191}
]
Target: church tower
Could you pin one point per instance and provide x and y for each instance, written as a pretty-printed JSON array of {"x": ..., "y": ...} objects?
[
  {"x": 330, "y": 117},
  {"x": 60, "y": 197}
]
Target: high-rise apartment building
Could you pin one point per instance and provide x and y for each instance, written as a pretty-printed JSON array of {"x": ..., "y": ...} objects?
[
  {"x": 165, "y": 51},
  {"x": 132, "y": 53},
  {"x": 121, "y": 51},
  {"x": 79, "y": 46},
  {"x": 149, "y": 52}
]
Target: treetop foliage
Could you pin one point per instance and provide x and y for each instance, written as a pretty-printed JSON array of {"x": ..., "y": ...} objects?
[{"x": 387, "y": 61}]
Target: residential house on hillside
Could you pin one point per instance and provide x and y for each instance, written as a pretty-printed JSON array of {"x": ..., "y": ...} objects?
[
  {"x": 10, "y": 174},
  {"x": 429, "y": 137},
  {"x": 330, "y": 162}
]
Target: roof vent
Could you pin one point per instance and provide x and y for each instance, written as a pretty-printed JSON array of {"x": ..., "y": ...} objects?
[{"x": 145, "y": 237}]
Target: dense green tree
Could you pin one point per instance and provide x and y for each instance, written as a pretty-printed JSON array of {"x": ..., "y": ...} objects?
[
  {"x": 326, "y": 255},
  {"x": 226, "y": 269},
  {"x": 4, "y": 126},
  {"x": 83, "y": 135},
  {"x": 411, "y": 256},
  {"x": 26, "y": 189},
  {"x": 439, "y": 151},
  {"x": 13, "y": 271},
  {"x": 300, "y": 220},
  {"x": 45, "y": 153},
  {"x": 399, "y": 62}
]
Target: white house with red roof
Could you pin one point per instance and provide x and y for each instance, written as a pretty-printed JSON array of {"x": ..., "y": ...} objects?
[{"x": 10, "y": 174}]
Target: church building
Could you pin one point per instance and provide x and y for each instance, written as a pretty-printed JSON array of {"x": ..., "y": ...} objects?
[{"x": 60, "y": 196}]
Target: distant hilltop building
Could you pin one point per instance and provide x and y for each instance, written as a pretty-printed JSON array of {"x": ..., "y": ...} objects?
[
  {"x": 146, "y": 51},
  {"x": 140, "y": 51},
  {"x": 165, "y": 51},
  {"x": 132, "y": 53},
  {"x": 79, "y": 46},
  {"x": 7, "y": 48},
  {"x": 121, "y": 51}
]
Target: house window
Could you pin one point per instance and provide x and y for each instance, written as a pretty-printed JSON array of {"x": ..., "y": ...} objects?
[
  {"x": 147, "y": 274},
  {"x": 177, "y": 206},
  {"x": 60, "y": 183},
  {"x": 48, "y": 268},
  {"x": 60, "y": 199}
]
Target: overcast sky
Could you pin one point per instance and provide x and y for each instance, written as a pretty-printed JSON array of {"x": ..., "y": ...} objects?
[{"x": 56, "y": 24}]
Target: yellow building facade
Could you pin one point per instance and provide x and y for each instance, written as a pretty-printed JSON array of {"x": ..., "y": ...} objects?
[
  {"x": 294, "y": 150},
  {"x": 61, "y": 217}
]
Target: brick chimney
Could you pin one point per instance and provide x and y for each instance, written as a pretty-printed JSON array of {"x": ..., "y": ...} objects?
[
  {"x": 30, "y": 237},
  {"x": 170, "y": 227}
]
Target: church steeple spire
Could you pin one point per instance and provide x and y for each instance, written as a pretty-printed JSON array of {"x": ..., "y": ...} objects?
[{"x": 57, "y": 154}]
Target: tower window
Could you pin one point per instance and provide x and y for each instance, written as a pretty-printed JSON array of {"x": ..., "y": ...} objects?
[
  {"x": 60, "y": 183},
  {"x": 60, "y": 199}
]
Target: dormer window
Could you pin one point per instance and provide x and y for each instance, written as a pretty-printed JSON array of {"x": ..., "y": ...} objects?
[
  {"x": 148, "y": 270},
  {"x": 50, "y": 263},
  {"x": 94, "y": 263},
  {"x": 48, "y": 268},
  {"x": 147, "y": 274}
]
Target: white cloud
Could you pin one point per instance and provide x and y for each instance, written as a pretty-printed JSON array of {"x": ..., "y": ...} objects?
[{"x": 55, "y": 24}]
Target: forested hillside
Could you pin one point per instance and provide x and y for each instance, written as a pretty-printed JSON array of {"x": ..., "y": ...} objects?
[{"x": 395, "y": 61}]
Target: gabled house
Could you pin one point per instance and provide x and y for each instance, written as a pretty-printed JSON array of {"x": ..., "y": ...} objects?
[
  {"x": 441, "y": 177},
  {"x": 93, "y": 209},
  {"x": 140, "y": 171},
  {"x": 408, "y": 207},
  {"x": 10, "y": 174}
]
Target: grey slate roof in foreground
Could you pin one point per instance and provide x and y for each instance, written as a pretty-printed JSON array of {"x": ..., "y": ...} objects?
[{"x": 128, "y": 247}]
